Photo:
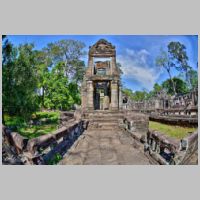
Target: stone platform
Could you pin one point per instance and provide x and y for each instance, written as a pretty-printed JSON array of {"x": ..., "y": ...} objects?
[{"x": 104, "y": 143}]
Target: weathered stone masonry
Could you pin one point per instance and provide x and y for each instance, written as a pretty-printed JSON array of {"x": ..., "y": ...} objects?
[{"x": 101, "y": 88}]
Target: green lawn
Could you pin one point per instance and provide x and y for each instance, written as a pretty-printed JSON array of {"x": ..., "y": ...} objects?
[
  {"x": 171, "y": 130},
  {"x": 31, "y": 131}
]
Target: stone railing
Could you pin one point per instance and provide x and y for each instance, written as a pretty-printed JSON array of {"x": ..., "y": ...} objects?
[
  {"x": 182, "y": 120},
  {"x": 41, "y": 149},
  {"x": 136, "y": 124},
  {"x": 181, "y": 111},
  {"x": 166, "y": 150}
]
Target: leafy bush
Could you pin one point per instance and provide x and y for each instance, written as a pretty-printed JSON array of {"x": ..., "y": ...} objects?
[
  {"x": 57, "y": 157},
  {"x": 48, "y": 124}
]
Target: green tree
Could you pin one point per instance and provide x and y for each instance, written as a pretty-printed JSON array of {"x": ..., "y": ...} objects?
[
  {"x": 163, "y": 60},
  {"x": 192, "y": 78},
  {"x": 9, "y": 54},
  {"x": 157, "y": 88},
  {"x": 69, "y": 52},
  {"x": 59, "y": 93},
  {"x": 25, "y": 80},
  {"x": 181, "y": 86},
  {"x": 42, "y": 64},
  {"x": 127, "y": 92},
  {"x": 140, "y": 95},
  {"x": 19, "y": 80},
  {"x": 176, "y": 57}
]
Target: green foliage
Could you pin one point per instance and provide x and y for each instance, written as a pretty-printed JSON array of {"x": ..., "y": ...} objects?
[
  {"x": 140, "y": 95},
  {"x": 137, "y": 95},
  {"x": 59, "y": 93},
  {"x": 176, "y": 57},
  {"x": 193, "y": 78},
  {"x": 157, "y": 88},
  {"x": 52, "y": 117},
  {"x": 18, "y": 124},
  {"x": 35, "y": 79},
  {"x": 37, "y": 130},
  {"x": 57, "y": 157},
  {"x": 19, "y": 80},
  {"x": 180, "y": 86},
  {"x": 14, "y": 122},
  {"x": 127, "y": 92},
  {"x": 69, "y": 52}
]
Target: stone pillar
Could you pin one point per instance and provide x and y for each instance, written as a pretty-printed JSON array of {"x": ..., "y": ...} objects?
[
  {"x": 91, "y": 65},
  {"x": 114, "y": 95},
  {"x": 90, "y": 92},
  {"x": 156, "y": 104},
  {"x": 83, "y": 99},
  {"x": 84, "y": 95},
  {"x": 120, "y": 97},
  {"x": 113, "y": 65}
]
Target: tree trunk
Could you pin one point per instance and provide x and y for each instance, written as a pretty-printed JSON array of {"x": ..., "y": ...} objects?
[{"x": 173, "y": 85}]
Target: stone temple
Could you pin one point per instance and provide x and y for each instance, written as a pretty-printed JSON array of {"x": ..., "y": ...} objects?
[
  {"x": 106, "y": 130},
  {"x": 101, "y": 88}
]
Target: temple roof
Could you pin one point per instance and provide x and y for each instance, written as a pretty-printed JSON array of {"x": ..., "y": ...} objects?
[{"x": 102, "y": 48}]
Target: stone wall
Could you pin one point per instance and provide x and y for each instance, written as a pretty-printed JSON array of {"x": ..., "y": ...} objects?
[
  {"x": 137, "y": 124},
  {"x": 180, "y": 120},
  {"x": 180, "y": 104},
  {"x": 166, "y": 150},
  {"x": 41, "y": 149}
]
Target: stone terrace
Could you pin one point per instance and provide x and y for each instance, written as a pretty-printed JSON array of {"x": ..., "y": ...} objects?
[{"x": 105, "y": 143}]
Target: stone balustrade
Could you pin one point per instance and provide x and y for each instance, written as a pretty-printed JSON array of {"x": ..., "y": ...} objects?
[
  {"x": 41, "y": 149},
  {"x": 136, "y": 124},
  {"x": 166, "y": 150}
]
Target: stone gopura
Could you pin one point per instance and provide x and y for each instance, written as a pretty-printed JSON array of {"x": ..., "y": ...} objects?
[{"x": 101, "y": 88}]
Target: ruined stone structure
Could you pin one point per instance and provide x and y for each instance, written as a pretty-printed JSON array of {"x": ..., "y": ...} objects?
[
  {"x": 101, "y": 88},
  {"x": 180, "y": 104},
  {"x": 106, "y": 130}
]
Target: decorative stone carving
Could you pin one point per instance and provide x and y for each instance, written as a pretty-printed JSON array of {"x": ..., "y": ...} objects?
[{"x": 101, "y": 72}]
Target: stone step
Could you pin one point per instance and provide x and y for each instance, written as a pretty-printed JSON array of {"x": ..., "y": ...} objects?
[
  {"x": 103, "y": 123},
  {"x": 105, "y": 117},
  {"x": 104, "y": 114},
  {"x": 103, "y": 128},
  {"x": 104, "y": 120}
]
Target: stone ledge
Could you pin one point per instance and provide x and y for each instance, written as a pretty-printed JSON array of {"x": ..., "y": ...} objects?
[
  {"x": 172, "y": 151},
  {"x": 31, "y": 148}
]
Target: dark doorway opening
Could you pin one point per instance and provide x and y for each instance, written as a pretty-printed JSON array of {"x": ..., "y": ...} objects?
[{"x": 102, "y": 95}]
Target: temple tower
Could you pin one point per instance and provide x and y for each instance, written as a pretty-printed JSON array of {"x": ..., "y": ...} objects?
[{"x": 101, "y": 88}]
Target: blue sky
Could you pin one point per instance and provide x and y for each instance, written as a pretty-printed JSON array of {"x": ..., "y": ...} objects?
[{"x": 136, "y": 53}]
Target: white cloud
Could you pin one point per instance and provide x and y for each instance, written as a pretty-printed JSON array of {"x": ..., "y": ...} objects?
[{"x": 136, "y": 68}]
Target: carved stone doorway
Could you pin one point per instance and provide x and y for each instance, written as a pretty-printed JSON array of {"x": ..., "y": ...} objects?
[{"x": 102, "y": 95}]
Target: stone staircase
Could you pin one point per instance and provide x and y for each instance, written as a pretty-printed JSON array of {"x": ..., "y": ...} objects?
[{"x": 103, "y": 120}]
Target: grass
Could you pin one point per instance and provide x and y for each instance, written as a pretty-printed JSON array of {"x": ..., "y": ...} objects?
[
  {"x": 37, "y": 130},
  {"x": 17, "y": 123},
  {"x": 178, "y": 132}
]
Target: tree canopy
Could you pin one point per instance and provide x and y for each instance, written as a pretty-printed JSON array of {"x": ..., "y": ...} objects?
[
  {"x": 48, "y": 78},
  {"x": 174, "y": 58}
]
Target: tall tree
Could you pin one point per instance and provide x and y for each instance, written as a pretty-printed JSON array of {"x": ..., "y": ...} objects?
[
  {"x": 69, "y": 52},
  {"x": 60, "y": 93},
  {"x": 19, "y": 80},
  {"x": 43, "y": 63},
  {"x": 9, "y": 54},
  {"x": 164, "y": 61},
  {"x": 192, "y": 78},
  {"x": 178, "y": 57},
  {"x": 181, "y": 86}
]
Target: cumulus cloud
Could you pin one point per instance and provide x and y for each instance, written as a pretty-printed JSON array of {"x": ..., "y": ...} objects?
[{"x": 137, "y": 68}]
